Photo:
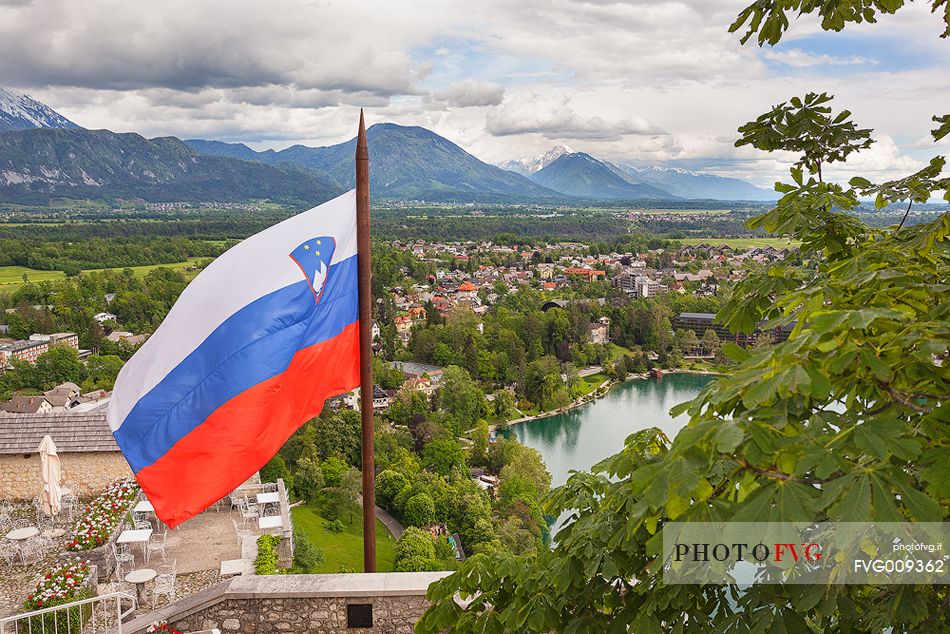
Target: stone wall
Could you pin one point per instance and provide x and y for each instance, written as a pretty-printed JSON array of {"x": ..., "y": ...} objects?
[
  {"x": 298, "y": 604},
  {"x": 86, "y": 473},
  {"x": 393, "y": 615}
]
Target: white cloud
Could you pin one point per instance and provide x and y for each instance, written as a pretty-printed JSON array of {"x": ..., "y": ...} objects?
[
  {"x": 554, "y": 118},
  {"x": 470, "y": 93},
  {"x": 797, "y": 58}
]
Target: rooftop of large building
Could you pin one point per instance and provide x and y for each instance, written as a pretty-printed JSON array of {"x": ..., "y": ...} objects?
[{"x": 71, "y": 431}]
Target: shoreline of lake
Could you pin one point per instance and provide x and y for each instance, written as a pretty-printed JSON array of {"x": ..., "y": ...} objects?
[
  {"x": 583, "y": 436},
  {"x": 599, "y": 392}
]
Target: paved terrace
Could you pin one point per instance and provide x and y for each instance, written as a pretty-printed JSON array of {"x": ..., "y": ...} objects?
[{"x": 197, "y": 549}]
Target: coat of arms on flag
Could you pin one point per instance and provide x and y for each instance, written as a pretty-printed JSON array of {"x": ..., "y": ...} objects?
[{"x": 313, "y": 257}]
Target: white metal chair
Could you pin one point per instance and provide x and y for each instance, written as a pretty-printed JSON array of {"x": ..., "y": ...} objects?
[
  {"x": 164, "y": 586},
  {"x": 122, "y": 556},
  {"x": 241, "y": 531},
  {"x": 44, "y": 543},
  {"x": 156, "y": 543},
  {"x": 249, "y": 513},
  {"x": 141, "y": 523},
  {"x": 9, "y": 553},
  {"x": 31, "y": 552},
  {"x": 21, "y": 523},
  {"x": 5, "y": 522},
  {"x": 67, "y": 511},
  {"x": 270, "y": 487}
]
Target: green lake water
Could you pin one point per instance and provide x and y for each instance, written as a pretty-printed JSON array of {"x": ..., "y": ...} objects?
[{"x": 586, "y": 435}]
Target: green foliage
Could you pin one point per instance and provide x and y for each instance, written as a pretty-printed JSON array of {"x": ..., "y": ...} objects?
[
  {"x": 525, "y": 463},
  {"x": 307, "y": 557},
  {"x": 72, "y": 620},
  {"x": 461, "y": 396},
  {"x": 334, "y": 526},
  {"x": 266, "y": 561},
  {"x": 769, "y": 18},
  {"x": 342, "y": 500},
  {"x": 479, "y": 443},
  {"x": 308, "y": 479},
  {"x": 59, "y": 365},
  {"x": 805, "y": 126},
  {"x": 389, "y": 484},
  {"x": 333, "y": 471},
  {"x": 385, "y": 375},
  {"x": 419, "y": 510},
  {"x": 844, "y": 421},
  {"x": 274, "y": 469},
  {"x": 915, "y": 188},
  {"x": 444, "y": 455},
  {"x": 338, "y": 435},
  {"x": 504, "y": 404},
  {"x": 101, "y": 371},
  {"x": 415, "y": 551},
  {"x": 943, "y": 127}
]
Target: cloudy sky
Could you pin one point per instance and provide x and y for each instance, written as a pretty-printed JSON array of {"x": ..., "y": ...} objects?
[{"x": 645, "y": 82}]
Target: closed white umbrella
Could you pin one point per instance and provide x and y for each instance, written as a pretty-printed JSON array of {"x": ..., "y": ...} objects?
[{"x": 52, "y": 473}]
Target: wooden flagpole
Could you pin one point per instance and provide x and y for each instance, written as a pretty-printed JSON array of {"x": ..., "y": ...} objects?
[{"x": 366, "y": 349}]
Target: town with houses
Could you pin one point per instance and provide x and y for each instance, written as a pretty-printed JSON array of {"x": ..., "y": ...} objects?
[{"x": 696, "y": 270}]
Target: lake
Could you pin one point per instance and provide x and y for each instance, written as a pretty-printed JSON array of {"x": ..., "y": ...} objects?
[{"x": 584, "y": 436}]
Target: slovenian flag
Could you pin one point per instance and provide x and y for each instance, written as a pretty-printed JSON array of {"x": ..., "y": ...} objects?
[{"x": 249, "y": 352}]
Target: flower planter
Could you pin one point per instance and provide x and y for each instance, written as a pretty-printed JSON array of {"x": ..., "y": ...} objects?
[
  {"x": 59, "y": 589},
  {"x": 100, "y": 525},
  {"x": 101, "y": 557}
]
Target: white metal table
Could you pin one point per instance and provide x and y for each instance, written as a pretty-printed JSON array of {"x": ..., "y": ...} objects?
[
  {"x": 268, "y": 498},
  {"x": 135, "y": 536},
  {"x": 144, "y": 506},
  {"x": 139, "y": 578},
  {"x": 21, "y": 534},
  {"x": 271, "y": 521}
]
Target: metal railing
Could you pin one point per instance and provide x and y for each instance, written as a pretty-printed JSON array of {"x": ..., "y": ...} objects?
[{"x": 96, "y": 615}]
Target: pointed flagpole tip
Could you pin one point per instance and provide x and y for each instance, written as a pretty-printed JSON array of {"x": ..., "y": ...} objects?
[{"x": 362, "y": 152}]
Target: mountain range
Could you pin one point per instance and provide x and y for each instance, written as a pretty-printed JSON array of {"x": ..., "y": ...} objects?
[
  {"x": 584, "y": 175},
  {"x": 580, "y": 174},
  {"x": 38, "y": 164},
  {"x": 43, "y": 154},
  {"x": 406, "y": 163}
]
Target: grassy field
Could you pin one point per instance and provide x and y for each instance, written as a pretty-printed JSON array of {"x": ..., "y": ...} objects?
[
  {"x": 11, "y": 277},
  {"x": 344, "y": 550},
  {"x": 590, "y": 383},
  {"x": 742, "y": 243}
]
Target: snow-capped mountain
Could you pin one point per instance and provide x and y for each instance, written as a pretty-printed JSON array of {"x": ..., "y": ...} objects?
[
  {"x": 531, "y": 164},
  {"x": 21, "y": 112},
  {"x": 689, "y": 184},
  {"x": 580, "y": 174},
  {"x": 588, "y": 178}
]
